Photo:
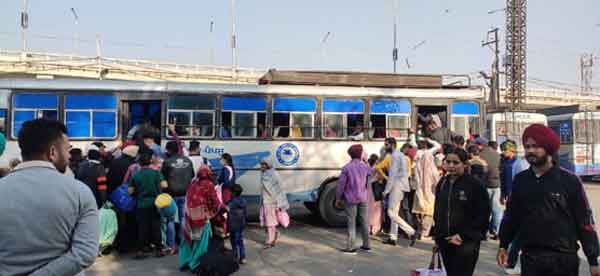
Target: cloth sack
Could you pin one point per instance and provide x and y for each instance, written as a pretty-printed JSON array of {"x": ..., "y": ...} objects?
[
  {"x": 283, "y": 218},
  {"x": 435, "y": 267},
  {"x": 109, "y": 225},
  {"x": 122, "y": 200}
]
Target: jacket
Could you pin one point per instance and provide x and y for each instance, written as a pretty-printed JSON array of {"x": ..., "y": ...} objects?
[
  {"x": 550, "y": 213},
  {"x": 461, "y": 208},
  {"x": 492, "y": 158},
  {"x": 117, "y": 171},
  {"x": 179, "y": 172},
  {"x": 236, "y": 217},
  {"x": 92, "y": 173}
]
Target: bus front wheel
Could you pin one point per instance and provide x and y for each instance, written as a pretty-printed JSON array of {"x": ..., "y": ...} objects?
[{"x": 329, "y": 213}]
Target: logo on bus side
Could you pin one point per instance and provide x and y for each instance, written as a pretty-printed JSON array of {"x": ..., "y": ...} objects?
[{"x": 287, "y": 154}]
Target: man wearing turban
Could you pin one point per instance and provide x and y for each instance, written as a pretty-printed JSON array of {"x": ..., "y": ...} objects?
[
  {"x": 351, "y": 193},
  {"x": 549, "y": 211}
]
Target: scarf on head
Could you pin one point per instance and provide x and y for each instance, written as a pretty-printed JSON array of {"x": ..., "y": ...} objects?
[
  {"x": 201, "y": 202},
  {"x": 272, "y": 182}
]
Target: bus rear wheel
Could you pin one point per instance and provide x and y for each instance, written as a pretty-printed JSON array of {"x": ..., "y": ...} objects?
[{"x": 329, "y": 213}]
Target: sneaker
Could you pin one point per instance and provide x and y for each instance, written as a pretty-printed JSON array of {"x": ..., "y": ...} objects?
[
  {"x": 513, "y": 271},
  {"x": 349, "y": 251},
  {"x": 390, "y": 242},
  {"x": 365, "y": 248},
  {"x": 243, "y": 261}
]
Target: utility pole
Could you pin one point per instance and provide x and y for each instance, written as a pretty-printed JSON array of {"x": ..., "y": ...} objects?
[
  {"x": 233, "y": 43},
  {"x": 516, "y": 52},
  {"x": 24, "y": 26},
  {"x": 495, "y": 78},
  {"x": 395, "y": 50},
  {"x": 211, "y": 51},
  {"x": 76, "y": 36}
]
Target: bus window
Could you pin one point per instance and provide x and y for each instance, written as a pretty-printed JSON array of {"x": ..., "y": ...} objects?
[
  {"x": 342, "y": 117},
  {"x": 465, "y": 118},
  {"x": 91, "y": 116},
  {"x": 389, "y": 118},
  {"x": 293, "y": 117},
  {"x": 3, "y": 121},
  {"x": 242, "y": 117},
  {"x": 193, "y": 116},
  {"x": 564, "y": 130},
  {"x": 31, "y": 106}
]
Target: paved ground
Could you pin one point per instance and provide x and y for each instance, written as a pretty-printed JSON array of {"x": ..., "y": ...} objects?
[{"x": 308, "y": 247}]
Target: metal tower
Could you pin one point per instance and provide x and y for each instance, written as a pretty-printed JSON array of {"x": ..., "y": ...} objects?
[
  {"x": 516, "y": 52},
  {"x": 587, "y": 64}
]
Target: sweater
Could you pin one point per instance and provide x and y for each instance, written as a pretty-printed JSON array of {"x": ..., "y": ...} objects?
[{"x": 50, "y": 223}]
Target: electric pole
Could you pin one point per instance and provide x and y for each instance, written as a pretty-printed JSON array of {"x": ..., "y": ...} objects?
[
  {"x": 495, "y": 78},
  {"x": 395, "y": 50},
  {"x": 233, "y": 43},
  {"x": 24, "y": 26},
  {"x": 516, "y": 52}
]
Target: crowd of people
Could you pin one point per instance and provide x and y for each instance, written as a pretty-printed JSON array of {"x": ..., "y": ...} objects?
[
  {"x": 434, "y": 186},
  {"x": 442, "y": 187}
]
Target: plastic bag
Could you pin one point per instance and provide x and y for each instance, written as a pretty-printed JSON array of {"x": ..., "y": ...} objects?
[
  {"x": 122, "y": 200},
  {"x": 283, "y": 218},
  {"x": 108, "y": 225},
  {"x": 434, "y": 269}
]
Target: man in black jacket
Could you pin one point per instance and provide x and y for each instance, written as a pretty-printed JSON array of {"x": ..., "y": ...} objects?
[
  {"x": 549, "y": 210},
  {"x": 179, "y": 172},
  {"x": 92, "y": 173}
]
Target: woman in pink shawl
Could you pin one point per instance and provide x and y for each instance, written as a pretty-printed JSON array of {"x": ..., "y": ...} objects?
[
  {"x": 375, "y": 207},
  {"x": 427, "y": 177}
]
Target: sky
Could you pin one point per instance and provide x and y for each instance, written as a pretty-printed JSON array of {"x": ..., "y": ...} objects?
[{"x": 435, "y": 36}]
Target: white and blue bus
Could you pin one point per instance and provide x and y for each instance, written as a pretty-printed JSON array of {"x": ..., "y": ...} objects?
[
  {"x": 509, "y": 125},
  {"x": 579, "y": 131},
  {"x": 305, "y": 129}
]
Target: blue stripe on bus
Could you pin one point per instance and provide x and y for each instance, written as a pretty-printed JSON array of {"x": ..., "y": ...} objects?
[
  {"x": 465, "y": 108},
  {"x": 41, "y": 101},
  {"x": 343, "y": 105},
  {"x": 294, "y": 104},
  {"x": 244, "y": 103},
  {"x": 390, "y": 106},
  {"x": 90, "y": 102}
]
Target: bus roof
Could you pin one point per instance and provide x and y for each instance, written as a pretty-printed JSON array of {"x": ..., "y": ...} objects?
[
  {"x": 90, "y": 85},
  {"x": 357, "y": 79}
]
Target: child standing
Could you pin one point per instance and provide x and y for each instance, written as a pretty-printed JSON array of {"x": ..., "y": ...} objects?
[
  {"x": 237, "y": 223},
  {"x": 146, "y": 185}
]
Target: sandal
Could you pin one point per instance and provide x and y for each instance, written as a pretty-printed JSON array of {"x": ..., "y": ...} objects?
[{"x": 276, "y": 237}]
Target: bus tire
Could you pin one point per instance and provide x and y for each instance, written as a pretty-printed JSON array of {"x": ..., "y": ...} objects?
[{"x": 329, "y": 213}]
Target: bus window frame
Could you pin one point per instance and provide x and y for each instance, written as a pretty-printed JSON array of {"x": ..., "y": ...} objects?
[
  {"x": 291, "y": 125},
  {"x": 234, "y": 126},
  {"x": 36, "y": 111},
  {"x": 91, "y": 127},
  {"x": 408, "y": 117},
  {"x": 191, "y": 122},
  {"x": 345, "y": 134},
  {"x": 467, "y": 118}
]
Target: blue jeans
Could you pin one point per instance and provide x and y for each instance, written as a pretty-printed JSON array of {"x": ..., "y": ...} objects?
[
  {"x": 513, "y": 252},
  {"x": 494, "y": 194},
  {"x": 167, "y": 227},
  {"x": 180, "y": 201},
  {"x": 237, "y": 244}
]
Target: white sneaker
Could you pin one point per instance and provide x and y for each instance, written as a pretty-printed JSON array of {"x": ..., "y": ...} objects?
[{"x": 513, "y": 271}]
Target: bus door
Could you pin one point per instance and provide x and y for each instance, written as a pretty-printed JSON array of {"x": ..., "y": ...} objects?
[
  {"x": 424, "y": 113},
  {"x": 143, "y": 112}
]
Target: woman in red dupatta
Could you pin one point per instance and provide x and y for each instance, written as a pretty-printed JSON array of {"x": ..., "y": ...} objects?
[{"x": 201, "y": 204}]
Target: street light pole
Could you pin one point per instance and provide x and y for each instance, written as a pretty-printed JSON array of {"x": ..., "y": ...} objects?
[
  {"x": 76, "y": 35},
  {"x": 24, "y": 25},
  {"x": 233, "y": 43}
]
